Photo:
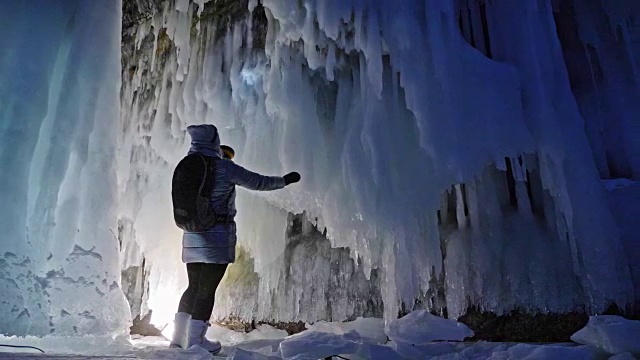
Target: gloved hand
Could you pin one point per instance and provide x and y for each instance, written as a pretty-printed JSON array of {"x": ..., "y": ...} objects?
[{"x": 292, "y": 177}]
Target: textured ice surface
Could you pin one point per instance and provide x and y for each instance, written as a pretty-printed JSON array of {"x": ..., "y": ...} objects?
[
  {"x": 76, "y": 345},
  {"x": 230, "y": 337},
  {"x": 240, "y": 354},
  {"x": 488, "y": 350},
  {"x": 623, "y": 356},
  {"x": 624, "y": 197},
  {"x": 600, "y": 48},
  {"x": 59, "y": 85},
  {"x": 439, "y": 142},
  {"x": 325, "y": 345},
  {"x": 369, "y": 328},
  {"x": 316, "y": 345},
  {"x": 419, "y": 327},
  {"x": 267, "y": 343},
  {"x": 613, "y": 334}
]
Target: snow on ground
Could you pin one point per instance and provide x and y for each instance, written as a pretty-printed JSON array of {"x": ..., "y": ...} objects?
[
  {"x": 420, "y": 327},
  {"x": 604, "y": 337},
  {"x": 613, "y": 334}
]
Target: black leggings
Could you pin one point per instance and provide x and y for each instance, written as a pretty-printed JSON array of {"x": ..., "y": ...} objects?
[{"x": 198, "y": 299}]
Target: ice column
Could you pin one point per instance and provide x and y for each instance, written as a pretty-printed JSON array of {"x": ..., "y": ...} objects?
[{"x": 59, "y": 85}]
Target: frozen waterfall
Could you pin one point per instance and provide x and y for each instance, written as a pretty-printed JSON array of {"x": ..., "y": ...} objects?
[
  {"x": 451, "y": 154},
  {"x": 440, "y": 144}
]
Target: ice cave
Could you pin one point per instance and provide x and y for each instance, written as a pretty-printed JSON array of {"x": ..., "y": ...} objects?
[{"x": 470, "y": 171}]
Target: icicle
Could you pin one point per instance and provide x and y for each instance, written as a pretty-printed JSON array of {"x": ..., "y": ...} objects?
[
  {"x": 183, "y": 5},
  {"x": 460, "y": 207},
  {"x": 252, "y": 5},
  {"x": 156, "y": 34},
  {"x": 200, "y": 4},
  {"x": 377, "y": 142}
]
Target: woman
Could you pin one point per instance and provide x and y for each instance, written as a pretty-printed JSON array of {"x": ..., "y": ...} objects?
[{"x": 208, "y": 253}]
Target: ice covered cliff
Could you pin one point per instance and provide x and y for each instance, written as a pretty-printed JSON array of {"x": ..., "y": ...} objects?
[
  {"x": 451, "y": 151},
  {"x": 451, "y": 154}
]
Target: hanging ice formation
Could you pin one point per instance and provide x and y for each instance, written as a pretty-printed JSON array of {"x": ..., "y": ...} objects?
[{"x": 440, "y": 144}]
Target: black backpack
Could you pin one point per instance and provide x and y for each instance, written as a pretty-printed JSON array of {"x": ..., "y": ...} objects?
[{"x": 191, "y": 188}]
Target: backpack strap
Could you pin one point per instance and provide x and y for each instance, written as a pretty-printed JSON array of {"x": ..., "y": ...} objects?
[{"x": 203, "y": 183}]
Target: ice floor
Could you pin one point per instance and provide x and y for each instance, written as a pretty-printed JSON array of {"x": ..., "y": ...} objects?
[{"x": 418, "y": 335}]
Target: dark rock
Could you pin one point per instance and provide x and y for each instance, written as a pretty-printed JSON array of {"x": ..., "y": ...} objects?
[
  {"x": 522, "y": 326},
  {"x": 236, "y": 324},
  {"x": 134, "y": 11},
  {"x": 332, "y": 276},
  {"x": 143, "y": 326},
  {"x": 135, "y": 286}
]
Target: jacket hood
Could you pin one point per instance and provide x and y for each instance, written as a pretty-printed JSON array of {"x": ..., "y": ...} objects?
[{"x": 204, "y": 139}]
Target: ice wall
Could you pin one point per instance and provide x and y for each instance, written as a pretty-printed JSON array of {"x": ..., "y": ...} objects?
[
  {"x": 601, "y": 46},
  {"x": 439, "y": 142},
  {"x": 59, "y": 270}
]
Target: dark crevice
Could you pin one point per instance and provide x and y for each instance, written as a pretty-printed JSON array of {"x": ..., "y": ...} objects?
[
  {"x": 472, "y": 39},
  {"x": 480, "y": 40},
  {"x": 485, "y": 29},
  {"x": 465, "y": 200},
  {"x": 530, "y": 193},
  {"x": 511, "y": 184}
]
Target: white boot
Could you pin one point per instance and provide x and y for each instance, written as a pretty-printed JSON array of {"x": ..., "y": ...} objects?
[
  {"x": 197, "y": 330},
  {"x": 180, "y": 331}
]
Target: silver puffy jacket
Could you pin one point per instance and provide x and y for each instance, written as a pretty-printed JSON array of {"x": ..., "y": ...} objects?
[{"x": 218, "y": 244}]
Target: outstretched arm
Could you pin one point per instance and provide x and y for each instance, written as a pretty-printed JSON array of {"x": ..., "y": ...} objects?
[{"x": 253, "y": 181}]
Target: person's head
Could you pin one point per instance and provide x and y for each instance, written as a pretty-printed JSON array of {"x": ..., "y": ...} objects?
[
  {"x": 204, "y": 136},
  {"x": 227, "y": 152}
]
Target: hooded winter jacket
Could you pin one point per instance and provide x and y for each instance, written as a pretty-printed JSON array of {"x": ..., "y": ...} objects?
[{"x": 218, "y": 244}]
